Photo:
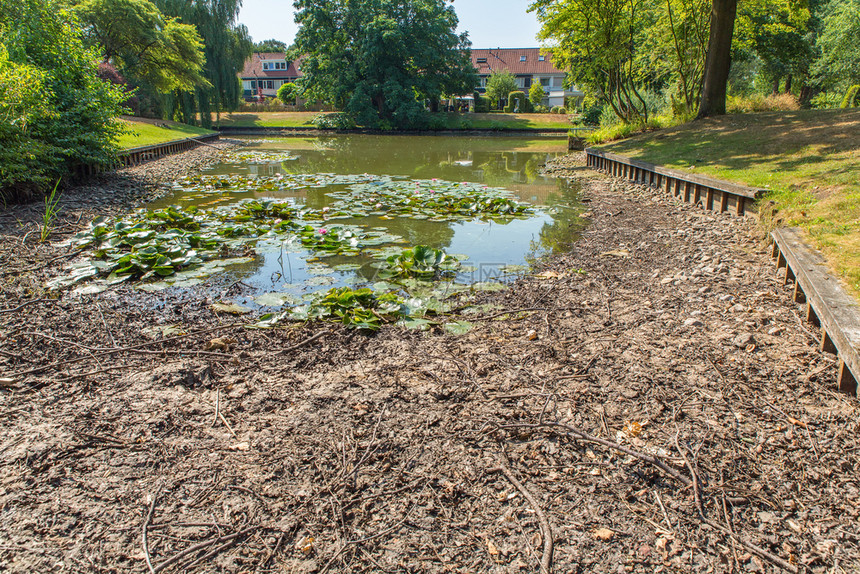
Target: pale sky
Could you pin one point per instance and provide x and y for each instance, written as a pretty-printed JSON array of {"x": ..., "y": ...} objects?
[{"x": 491, "y": 24}]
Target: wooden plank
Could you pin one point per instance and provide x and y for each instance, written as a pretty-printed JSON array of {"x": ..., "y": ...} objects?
[
  {"x": 714, "y": 183},
  {"x": 828, "y": 304}
]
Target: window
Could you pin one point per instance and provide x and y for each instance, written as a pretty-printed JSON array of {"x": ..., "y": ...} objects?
[
  {"x": 541, "y": 58},
  {"x": 280, "y": 65},
  {"x": 544, "y": 82},
  {"x": 270, "y": 85},
  {"x": 265, "y": 65},
  {"x": 522, "y": 58},
  {"x": 481, "y": 60}
]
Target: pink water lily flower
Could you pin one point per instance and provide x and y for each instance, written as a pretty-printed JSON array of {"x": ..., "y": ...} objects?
[{"x": 322, "y": 230}]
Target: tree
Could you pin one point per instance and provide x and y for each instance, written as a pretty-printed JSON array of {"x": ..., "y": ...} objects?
[
  {"x": 536, "y": 94},
  {"x": 597, "y": 42},
  {"x": 270, "y": 46},
  {"x": 499, "y": 85},
  {"x": 226, "y": 47},
  {"x": 55, "y": 113},
  {"x": 380, "y": 60},
  {"x": 134, "y": 36},
  {"x": 288, "y": 93},
  {"x": 839, "y": 65},
  {"x": 719, "y": 60}
]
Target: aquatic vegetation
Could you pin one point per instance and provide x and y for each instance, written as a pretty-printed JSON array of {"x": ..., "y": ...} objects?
[
  {"x": 238, "y": 183},
  {"x": 159, "y": 243},
  {"x": 257, "y": 157},
  {"x": 434, "y": 199},
  {"x": 421, "y": 261}
]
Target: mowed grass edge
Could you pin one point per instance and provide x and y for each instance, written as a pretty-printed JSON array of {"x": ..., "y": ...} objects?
[{"x": 808, "y": 160}]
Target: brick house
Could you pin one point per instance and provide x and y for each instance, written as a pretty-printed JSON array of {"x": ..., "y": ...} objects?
[
  {"x": 529, "y": 66},
  {"x": 265, "y": 72}
]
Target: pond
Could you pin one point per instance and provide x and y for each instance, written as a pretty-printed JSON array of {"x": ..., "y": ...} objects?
[{"x": 292, "y": 217}]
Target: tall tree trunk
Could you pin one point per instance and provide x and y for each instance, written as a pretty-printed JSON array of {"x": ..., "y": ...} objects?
[
  {"x": 788, "y": 84},
  {"x": 719, "y": 58},
  {"x": 774, "y": 88}
]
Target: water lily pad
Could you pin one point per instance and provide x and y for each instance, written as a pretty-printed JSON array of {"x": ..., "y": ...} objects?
[
  {"x": 276, "y": 299},
  {"x": 458, "y": 327},
  {"x": 231, "y": 308}
]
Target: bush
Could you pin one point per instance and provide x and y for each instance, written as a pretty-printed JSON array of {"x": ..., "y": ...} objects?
[
  {"x": 482, "y": 103},
  {"x": 288, "y": 93},
  {"x": 557, "y": 110},
  {"x": 536, "y": 94},
  {"x": 760, "y": 103},
  {"x": 541, "y": 109},
  {"x": 72, "y": 121},
  {"x": 518, "y": 101},
  {"x": 851, "y": 100},
  {"x": 334, "y": 121}
]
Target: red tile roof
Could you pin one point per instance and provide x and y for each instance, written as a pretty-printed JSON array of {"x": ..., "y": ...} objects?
[
  {"x": 501, "y": 59},
  {"x": 254, "y": 67}
]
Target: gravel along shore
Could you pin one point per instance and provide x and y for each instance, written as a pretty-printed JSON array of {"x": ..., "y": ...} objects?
[{"x": 650, "y": 401}]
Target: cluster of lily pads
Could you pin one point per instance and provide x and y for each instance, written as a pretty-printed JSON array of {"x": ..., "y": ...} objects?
[
  {"x": 365, "y": 308},
  {"x": 238, "y": 183},
  {"x": 429, "y": 199},
  {"x": 257, "y": 157},
  {"x": 178, "y": 242}
]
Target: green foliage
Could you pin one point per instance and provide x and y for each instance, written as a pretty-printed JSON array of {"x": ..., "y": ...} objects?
[
  {"x": 380, "y": 61},
  {"x": 270, "y": 46},
  {"x": 226, "y": 47},
  {"x": 55, "y": 113},
  {"x": 482, "y": 103},
  {"x": 557, "y": 110},
  {"x": 288, "y": 93},
  {"x": 839, "y": 64},
  {"x": 536, "y": 94},
  {"x": 52, "y": 210},
  {"x": 517, "y": 102},
  {"x": 851, "y": 99},
  {"x": 499, "y": 85},
  {"x": 146, "y": 46},
  {"x": 421, "y": 262},
  {"x": 333, "y": 121}
]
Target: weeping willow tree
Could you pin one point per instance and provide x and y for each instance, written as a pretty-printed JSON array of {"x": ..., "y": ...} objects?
[{"x": 227, "y": 46}]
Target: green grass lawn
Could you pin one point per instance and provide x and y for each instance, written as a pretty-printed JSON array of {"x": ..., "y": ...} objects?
[
  {"x": 145, "y": 132},
  {"x": 454, "y": 121},
  {"x": 809, "y": 160}
]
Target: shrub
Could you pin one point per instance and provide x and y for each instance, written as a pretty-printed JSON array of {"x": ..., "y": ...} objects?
[
  {"x": 518, "y": 101},
  {"x": 536, "y": 94},
  {"x": 851, "y": 100},
  {"x": 760, "y": 103},
  {"x": 482, "y": 103},
  {"x": 334, "y": 121},
  {"x": 288, "y": 93},
  {"x": 541, "y": 109},
  {"x": 557, "y": 110},
  {"x": 72, "y": 121}
]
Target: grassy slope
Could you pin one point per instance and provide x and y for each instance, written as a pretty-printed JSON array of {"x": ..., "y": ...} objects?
[
  {"x": 149, "y": 132},
  {"x": 453, "y": 121},
  {"x": 810, "y": 160}
]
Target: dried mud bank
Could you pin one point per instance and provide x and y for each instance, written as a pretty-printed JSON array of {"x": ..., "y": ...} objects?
[{"x": 664, "y": 332}]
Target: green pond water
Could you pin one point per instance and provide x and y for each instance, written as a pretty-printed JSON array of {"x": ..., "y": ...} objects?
[{"x": 329, "y": 211}]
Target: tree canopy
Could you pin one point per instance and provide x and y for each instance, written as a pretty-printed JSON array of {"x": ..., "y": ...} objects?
[
  {"x": 55, "y": 112},
  {"x": 499, "y": 85},
  {"x": 143, "y": 44},
  {"x": 379, "y": 60},
  {"x": 270, "y": 46}
]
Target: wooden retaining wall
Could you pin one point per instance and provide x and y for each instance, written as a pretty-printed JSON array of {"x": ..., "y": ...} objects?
[
  {"x": 139, "y": 155},
  {"x": 828, "y": 306},
  {"x": 712, "y": 194}
]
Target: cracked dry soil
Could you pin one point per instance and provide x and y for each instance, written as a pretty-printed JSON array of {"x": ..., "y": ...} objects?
[{"x": 665, "y": 331}]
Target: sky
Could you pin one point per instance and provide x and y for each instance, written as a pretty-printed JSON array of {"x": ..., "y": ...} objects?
[{"x": 490, "y": 23}]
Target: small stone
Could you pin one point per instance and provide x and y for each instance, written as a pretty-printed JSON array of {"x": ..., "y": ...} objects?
[
  {"x": 705, "y": 289},
  {"x": 743, "y": 340},
  {"x": 737, "y": 308},
  {"x": 693, "y": 322},
  {"x": 774, "y": 331},
  {"x": 727, "y": 298}
]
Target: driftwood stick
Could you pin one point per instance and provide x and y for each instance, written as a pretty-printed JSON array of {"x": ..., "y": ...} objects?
[
  {"x": 546, "y": 530},
  {"x": 30, "y": 302},
  {"x": 143, "y": 534},
  {"x": 200, "y": 546},
  {"x": 305, "y": 342},
  {"x": 582, "y": 435}
]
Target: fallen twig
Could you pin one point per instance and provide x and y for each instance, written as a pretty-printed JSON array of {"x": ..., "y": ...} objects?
[
  {"x": 143, "y": 535},
  {"x": 205, "y": 544},
  {"x": 305, "y": 342},
  {"x": 582, "y": 435},
  {"x": 546, "y": 530},
  {"x": 30, "y": 302}
]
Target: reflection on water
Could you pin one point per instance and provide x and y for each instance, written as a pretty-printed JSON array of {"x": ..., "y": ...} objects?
[{"x": 509, "y": 163}]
